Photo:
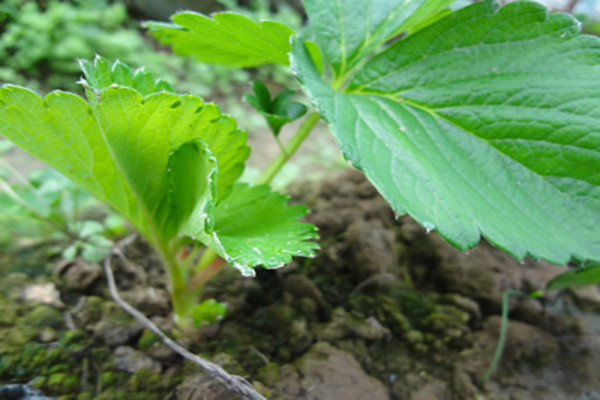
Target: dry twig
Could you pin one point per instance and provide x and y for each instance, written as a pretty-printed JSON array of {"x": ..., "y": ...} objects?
[{"x": 234, "y": 383}]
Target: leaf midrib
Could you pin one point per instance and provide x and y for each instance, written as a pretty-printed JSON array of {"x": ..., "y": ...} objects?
[{"x": 155, "y": 237}]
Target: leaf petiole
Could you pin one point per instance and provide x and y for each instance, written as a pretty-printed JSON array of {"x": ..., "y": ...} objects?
[{"x": 290, "y": 148}]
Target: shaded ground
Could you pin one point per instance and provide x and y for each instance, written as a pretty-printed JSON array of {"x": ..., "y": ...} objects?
[{"x": 386, "y": 311}]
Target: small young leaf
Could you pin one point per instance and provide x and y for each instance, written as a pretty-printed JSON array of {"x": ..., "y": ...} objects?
[
  {"x": 226, "y": 38},
  {"x": 208, "y": 311},
  {"x": 477, "y": 128},
  {"x": 280, "y": 102},
  {"x": 585, "y": 275},
  {"x": 278, "y": 111},
  {"x": 263, "y": 95},
  {"x": 191, "y": 172},
  {"x": 254, "y": 226}
]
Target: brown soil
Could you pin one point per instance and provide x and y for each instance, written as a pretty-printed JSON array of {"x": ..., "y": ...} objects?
[{"x": 385, "y": 311}]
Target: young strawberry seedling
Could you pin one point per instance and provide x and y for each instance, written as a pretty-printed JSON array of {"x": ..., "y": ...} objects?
[{"x": 476, "y": 122}]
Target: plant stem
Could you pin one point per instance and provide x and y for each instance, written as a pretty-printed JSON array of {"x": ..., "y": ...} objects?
[
  {"x": 290, "y": 148},
  {"x": 198, "y": 280},
  {"x": 207, "y": 258},
  {"x": 502, "y": 337},
  {"x": 234, "y": 383}
]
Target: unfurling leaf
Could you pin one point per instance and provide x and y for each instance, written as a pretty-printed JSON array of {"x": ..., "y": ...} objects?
[{"x": 278, "y": 111}]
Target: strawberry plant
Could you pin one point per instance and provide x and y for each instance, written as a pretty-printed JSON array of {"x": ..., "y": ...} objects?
[{"x": 480, "y": 122}]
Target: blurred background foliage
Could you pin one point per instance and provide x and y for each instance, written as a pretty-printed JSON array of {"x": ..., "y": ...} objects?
[{"x": 40, "y": 41}]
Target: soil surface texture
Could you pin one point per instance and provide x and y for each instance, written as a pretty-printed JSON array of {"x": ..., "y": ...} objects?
[{"x": 385, "y": 311}]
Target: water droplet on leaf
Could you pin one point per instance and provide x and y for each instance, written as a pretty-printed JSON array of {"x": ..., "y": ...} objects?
[{"x": 429, "y": 227}]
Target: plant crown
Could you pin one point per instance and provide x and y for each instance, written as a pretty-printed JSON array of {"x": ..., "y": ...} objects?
[{"x": 476, "y": 122}]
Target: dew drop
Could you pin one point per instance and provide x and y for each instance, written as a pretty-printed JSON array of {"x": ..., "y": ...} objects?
[
  {"x": 349, "y": 163},
  {"x": 397, "y": 216},
  {"x": 429, "y": 227}
]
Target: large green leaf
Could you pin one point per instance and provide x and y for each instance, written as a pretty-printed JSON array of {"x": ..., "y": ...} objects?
[
  {"x": 121, "y": 149},
  {"x": 254, "y": 226},
  {"x": 484, "y": 123},
  {"x": 347, "y": 30},
  {"x": 226, "y": 38}
]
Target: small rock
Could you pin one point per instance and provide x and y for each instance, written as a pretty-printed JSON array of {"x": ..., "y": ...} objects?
[
  {"x": 45, "y": 293},
  {"x": 163, "y": 353},
  {"x": 149, "y": 300},
  {"x": 115, "y": 333},
  {"x": 435, "y": 390},
  {"x": 202, "y": 386},
  {"x": 344, "y": 325},
  {"x": 130, "y": 360},
  {"x": 372, "y": 248},
  {"x": 328, "y": 373},
  {"x": 371, "y": 329},
  {"x": 77, "y": 274},
  {"x": 47, "y": 335},
  {"x": 300, "y": 286},
  {"x": 464, "y": 303},
  {"x": 588, "y": 297}
]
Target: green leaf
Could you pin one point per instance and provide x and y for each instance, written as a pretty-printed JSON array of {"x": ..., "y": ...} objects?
[
  {"x": 580, "y": 276},
  {"x": 263, "y": 95},
  {"x": 120, "y": 149},
  {"x": 254, "y": 226},
  {"x": 278, "y": 111},
  {"x": 484, "y": 123},
  {"x": 347, "y": 30},
  {"x": 226, "y": 38},
  {"x": 208, "y": 311},
  {"x": 100, "y": 75},
  {"x": 191, "y": 173}
]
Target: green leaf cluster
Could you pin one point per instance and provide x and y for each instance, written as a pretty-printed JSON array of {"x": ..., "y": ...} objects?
[
  {"x": 169, "y": 163},
  {"x": 477, "y": 122}
]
